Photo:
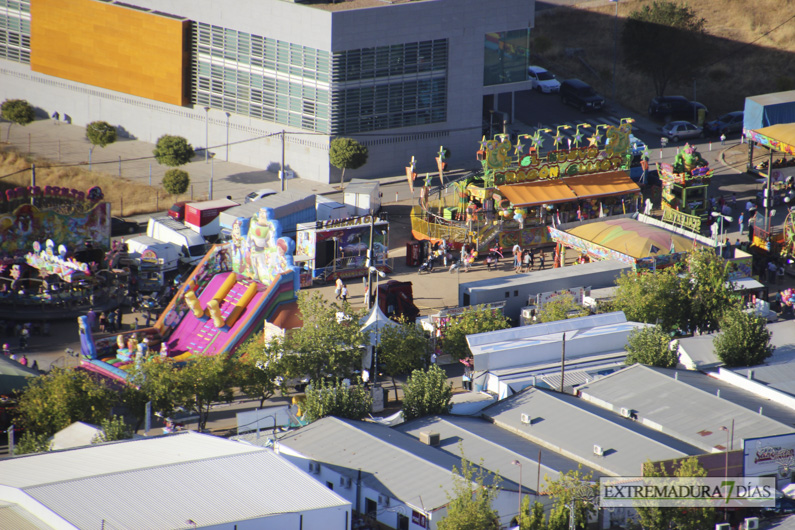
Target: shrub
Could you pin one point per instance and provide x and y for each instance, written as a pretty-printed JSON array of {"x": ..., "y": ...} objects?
[{"x": 176, "y": 181}]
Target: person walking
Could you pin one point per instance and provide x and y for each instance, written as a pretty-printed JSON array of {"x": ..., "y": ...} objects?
[
  {"x": 517, "y": 254},
  {"x": 91, "y": 319},
  {"x": 723, "y": 139},
  {"x": 344, "y": 293},
  {"x": 338, "y": 288},
  {"x": 541, "y": 260},
  {"x": 741, "y": 222},
  {"x": 526, "y": 261}
]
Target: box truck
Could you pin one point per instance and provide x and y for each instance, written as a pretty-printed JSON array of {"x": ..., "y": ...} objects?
[
  {"x": 202, "y": 217},
  {"x": 191, "y": 244}
]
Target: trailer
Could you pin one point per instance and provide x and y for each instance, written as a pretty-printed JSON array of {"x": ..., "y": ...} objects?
[
  {"x": 362, "y": 197},
  {"x": 202, "y": 217}
]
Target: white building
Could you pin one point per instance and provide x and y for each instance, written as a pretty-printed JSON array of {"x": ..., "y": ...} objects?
[{"x": 179, "y": 481}]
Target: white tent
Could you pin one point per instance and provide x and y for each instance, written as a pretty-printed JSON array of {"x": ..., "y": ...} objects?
[{"x": 374, "y": 323}]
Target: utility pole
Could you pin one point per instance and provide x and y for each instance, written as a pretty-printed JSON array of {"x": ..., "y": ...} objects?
[
  {"x": 562, "y": 362},
  {"x": 370, "y": 263},
  {"x": 282, "y": 175}
]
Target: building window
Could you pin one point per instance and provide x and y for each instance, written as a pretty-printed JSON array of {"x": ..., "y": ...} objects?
[
  {"x": 254, "y": 76},
  {"x": 506, "y": 56},
  {"x": 402, "y": 522},
  {"x": 370, "y": 507},
  {"x": 389, "y": 87},
  {"x": 330, "y": 485},
  {"x": 15, "y": 30}
]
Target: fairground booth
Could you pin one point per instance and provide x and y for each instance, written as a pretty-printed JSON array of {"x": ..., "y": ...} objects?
[
  {"x": 523, "y": 188},
  {"x": 337, "y": 248},
  {"x": 779, "y": 174}
]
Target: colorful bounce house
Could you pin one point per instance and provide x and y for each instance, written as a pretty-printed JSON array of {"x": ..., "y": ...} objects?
[{"x": 236, "y": 288}]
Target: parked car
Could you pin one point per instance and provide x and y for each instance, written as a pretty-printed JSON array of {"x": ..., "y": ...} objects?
[
  {"x": 677, "y": 130},
  {"x": 726, "y": 124},
  {"x": 672, "y": 107},
  {"x": 177, "y": 210},
  {"x": 542, "y": 80},
  {"x": 637, "y": 145},
  {"x": 120, "y": 227},
  {"x": 259, "y": 194},
  {"x": 580, "y": 94}
]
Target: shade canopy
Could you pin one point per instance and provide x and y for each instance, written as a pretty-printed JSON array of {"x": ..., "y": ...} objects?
[
  {"x": 569, "y": 189},
  {"x": 779, "y": 137},
  {"x": 374, "y": 323},
  {"x": 631, "y": 237}
]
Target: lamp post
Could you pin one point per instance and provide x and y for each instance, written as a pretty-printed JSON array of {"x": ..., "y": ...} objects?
[
  {"x": 577, "y": 135},
  {"x": 206, "y": 134},
  {"x": 726, "y": 469},
  {"x": 558, "y": 138},
  {"x": 226, "y": 158},
  {"x": 519, "y": 513},
  {"x": 615, "y": 48},
  {"x": 720, "y": 233},
  {"x": 580, "y": 491},
  {"x": 491, "y": 124}
]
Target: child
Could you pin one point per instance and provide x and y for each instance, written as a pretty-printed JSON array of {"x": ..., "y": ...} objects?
[
  {"x": 489, "y": 261},
  {"x": 344, "y": 293}
]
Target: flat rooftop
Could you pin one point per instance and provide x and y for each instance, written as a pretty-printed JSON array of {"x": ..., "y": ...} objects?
[{"x": 347, "y": 5}]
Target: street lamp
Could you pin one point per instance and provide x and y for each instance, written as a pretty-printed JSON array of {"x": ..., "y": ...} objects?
[
  {"x": 519, "y": 513},
  {"x": 206, "y": 133},
  {"x": 227, "y": 136},
  {"x": 615, "y": 49},
  {"x": 726, "y": 469},
  {"x": 720, "y": 233}
]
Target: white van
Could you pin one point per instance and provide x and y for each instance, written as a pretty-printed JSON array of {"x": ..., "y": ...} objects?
[
  {"x": 192, "y": 245},
  {"x": 146, "y": 246}
]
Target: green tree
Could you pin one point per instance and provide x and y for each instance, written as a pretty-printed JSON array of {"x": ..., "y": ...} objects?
[
  {"x": 559, "y": 308},
  {"x": 531, "y": 519},
  {"x": 17, "y": 111},
  {"x": 114, "y": 428},
  {"x": 324, "y": 346},
  {"x": 652, "y": 346},
  {"x": 654, "y": 298},
  {"x": 260, "y": 369},
  {"x": 685, "y": 518},
  {"x": 176, "y": 181},
  {"x": 173, "y": 151},
  {"x": 744, "y": 339},
  {"x": 665, "y": 41},
  {"x": 100, "y": 133},
  {"x": 350, "y": 401},
  {"x": 572, "y": 486},
  {"x": 402, "y": 349},
  {"x": 347, "y": 153},
  {"x": 158, "y": 381},
  {"x": 206, "y": 381},
  {"x": 709, "y": 290},
  {"x": 426, "y": 393},
  {"x": 53, "y": 401},
  {"x": 31, "y": 443},
  {"x": 469, "y": 505},
  {"x": 478, "y": 320}
]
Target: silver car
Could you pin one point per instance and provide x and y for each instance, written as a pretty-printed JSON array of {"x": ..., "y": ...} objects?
[{"x": 682, "y": 129}]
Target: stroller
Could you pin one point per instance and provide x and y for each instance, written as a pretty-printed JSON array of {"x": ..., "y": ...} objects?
[{"x": 427, "y": 266}]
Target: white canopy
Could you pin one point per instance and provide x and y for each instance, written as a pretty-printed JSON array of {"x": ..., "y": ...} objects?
[{"x": 374, "y": 323}]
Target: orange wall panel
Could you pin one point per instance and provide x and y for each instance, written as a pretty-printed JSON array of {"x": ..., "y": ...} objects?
[{"x": 113, "y": 47}]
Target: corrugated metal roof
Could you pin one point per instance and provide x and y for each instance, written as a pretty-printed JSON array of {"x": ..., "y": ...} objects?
[
  {"x": 73, "y": 464},
  {"x": 254, "y": 484},
  {"x": 391, "y": 462},
  {"x": 496, "y": 446},
  {"x": 539, "y": 278},
  {"x": 12, "y": 516},
  {"x": 571, "y": 427},
  {"x": 678, "y": 408}
]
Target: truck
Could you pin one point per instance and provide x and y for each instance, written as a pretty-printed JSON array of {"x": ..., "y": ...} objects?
[
  {"x": 153, "y": 259},
  {"x": 203, "y": 217},
  {"x": 191, "y": 244}
]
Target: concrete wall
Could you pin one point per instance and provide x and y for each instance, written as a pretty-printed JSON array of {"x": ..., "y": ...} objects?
[{"x": 463, "y": 22}]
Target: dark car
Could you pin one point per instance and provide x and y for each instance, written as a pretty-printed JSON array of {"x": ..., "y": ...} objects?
[
  {"x": 121, "y": 227},
  {"x": 675, "y": 107},
  {"x": 177, "y": 210},
  {"x": 580, "y": 94},
  {"x": 726, "y": 124}
]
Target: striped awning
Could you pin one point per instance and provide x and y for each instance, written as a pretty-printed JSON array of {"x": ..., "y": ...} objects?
[{"x": 539, "y": 192}]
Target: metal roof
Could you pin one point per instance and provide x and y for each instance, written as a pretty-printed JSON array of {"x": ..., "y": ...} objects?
[
  {"x": 678, "y": 408},
  {"x": 541, "y": 277},
  {"x": 497, "y": 447},
  {"x": 162, "y": 482},
  {"x": 700, "y": 350},
  {"x": 392, "y": 463},
  {"x": 572, "y": 427},
  {"x": 16, "y": 517}
]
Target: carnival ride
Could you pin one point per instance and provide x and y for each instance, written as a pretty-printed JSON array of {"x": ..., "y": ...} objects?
[
  {"x": 686, "y": 183},
  {"x": 522, "y": 188},
  {"x": 233, "y": 290}
]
